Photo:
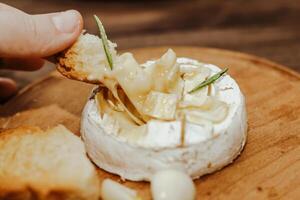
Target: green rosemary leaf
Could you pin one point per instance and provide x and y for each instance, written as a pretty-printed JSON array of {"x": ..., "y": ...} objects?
[
  {"x": 104, "y": 42},
  {"x": 209, "y": 80}
]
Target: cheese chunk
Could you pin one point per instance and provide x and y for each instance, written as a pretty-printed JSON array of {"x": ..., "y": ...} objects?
[
  {"x": 168, "y": 59},
  {"x": 195, "y": 77},
  {"x": 160, "y": 105},
  {"x": 195, "y": 99},
  {"x": 212, "y": 110},
  {"x": 165, "y": 72},
  {"x": 192, "y": 80}
]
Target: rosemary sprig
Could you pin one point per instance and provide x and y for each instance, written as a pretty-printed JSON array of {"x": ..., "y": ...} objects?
[
  {"x": 104, "y": 41},
  {"x": 209, "y": 80}
]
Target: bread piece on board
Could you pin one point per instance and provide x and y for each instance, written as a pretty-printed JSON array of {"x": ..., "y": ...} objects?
[
  {"x": 43, "y": 118},
  {"x": 52, "y": 164}
]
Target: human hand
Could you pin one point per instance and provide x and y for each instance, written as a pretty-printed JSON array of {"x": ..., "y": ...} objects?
[{"x": 26, "y": 39}]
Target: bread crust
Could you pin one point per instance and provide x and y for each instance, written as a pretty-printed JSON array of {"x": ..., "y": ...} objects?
[
  {"x": 66, "y": 66},
  {"x": 16, "y": 187}
]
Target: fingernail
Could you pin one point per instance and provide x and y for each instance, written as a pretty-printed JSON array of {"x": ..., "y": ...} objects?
[{"x": 66, "y": 22}]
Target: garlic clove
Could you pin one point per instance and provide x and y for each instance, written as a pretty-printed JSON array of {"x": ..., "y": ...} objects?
[{"x": 172, "y": 185}]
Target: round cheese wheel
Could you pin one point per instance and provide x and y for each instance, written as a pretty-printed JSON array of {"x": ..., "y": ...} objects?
[{"x": 159, "y": 145}]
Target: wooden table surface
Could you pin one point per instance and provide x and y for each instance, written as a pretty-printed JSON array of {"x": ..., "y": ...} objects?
[
  {"x": 269, "y": 29},
  {"x": 268, "y": 167}
]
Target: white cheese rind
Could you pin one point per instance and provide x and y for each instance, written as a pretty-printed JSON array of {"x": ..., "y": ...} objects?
[{"x": 205, "y": 150}]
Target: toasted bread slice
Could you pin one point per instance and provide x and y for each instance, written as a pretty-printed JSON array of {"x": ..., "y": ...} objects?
[
  {"x": 85, "y": 60},
  {"x": 52, "y": 164},
  {"x": 38, "y": 116}
]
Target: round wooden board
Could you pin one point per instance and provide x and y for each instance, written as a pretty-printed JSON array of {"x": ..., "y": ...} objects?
[{"x": 267, "y": 168}]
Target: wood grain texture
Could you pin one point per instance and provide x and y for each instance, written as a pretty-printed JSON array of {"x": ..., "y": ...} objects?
[
  {"x": 262, "y": 27},
  {"x": 268, "y": 168}
]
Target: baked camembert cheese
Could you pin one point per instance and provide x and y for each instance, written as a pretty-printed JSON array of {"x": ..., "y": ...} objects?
[{"x": 143, "y": 118}]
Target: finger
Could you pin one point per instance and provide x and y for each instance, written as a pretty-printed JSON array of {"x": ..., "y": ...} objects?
[
  {"x": 37, "y": 35},
  {"x": 26, "y": 64},
  {"x": 7, "y": 7},
  {"x": 7, "y": 88}
]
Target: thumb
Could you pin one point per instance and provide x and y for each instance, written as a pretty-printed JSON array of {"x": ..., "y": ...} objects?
[
  {"x": 25, "y": 35},
  {"x": 7, "y": 88}
]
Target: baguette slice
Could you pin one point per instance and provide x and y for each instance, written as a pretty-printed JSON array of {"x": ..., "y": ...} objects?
[
  {"x": 52, "y": 164},
  {"x": 85, "y": 60}
]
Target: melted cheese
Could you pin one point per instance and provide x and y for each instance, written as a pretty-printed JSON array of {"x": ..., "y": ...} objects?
[
  {"x": 146, "y": 86},
  {"x": 199, "y": 108}
]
